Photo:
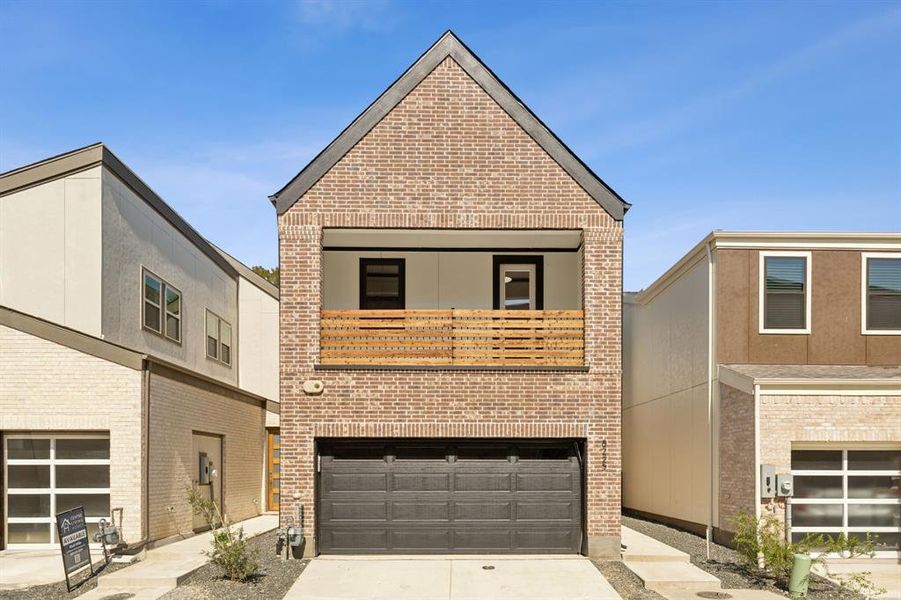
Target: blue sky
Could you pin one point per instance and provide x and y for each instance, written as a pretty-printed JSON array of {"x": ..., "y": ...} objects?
[{"x": 729, "y": 115}]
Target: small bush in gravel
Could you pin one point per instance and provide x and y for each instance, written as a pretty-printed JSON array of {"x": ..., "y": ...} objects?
[
  {"x": 764, "y": 539},
  {"x": 230, "y": 550}
]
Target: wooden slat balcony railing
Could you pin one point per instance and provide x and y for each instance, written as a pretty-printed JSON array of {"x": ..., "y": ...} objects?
[{"x": 453, "y": 337}]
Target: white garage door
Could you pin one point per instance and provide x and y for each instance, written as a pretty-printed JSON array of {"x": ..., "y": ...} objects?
[
  {"x": 44, "y": 475},
  {"x": 856, "y": 491}
]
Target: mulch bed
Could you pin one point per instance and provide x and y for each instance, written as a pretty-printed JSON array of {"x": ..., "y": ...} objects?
[
  {"x": 274, "y": 579},
  {"x": 57, "y": 591},
  {"x": 726, "y": 564}
]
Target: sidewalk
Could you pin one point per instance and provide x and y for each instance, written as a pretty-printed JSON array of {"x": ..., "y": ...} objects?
[
  {"x": 669, "y": 572},
  {"x": 165, "y": 567}
]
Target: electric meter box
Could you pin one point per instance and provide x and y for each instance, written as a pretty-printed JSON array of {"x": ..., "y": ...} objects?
[
  {"x": 767, "y": 481},
  {"x": 785, "y": 485}
]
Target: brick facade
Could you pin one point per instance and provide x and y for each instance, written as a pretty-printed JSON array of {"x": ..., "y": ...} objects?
[
  {"x": 449, "y": 157},
  {"x": 181, "y": 405},
  {"x": 736, "y": 456},
  {"x": 49, "y": 387},
  {"x": 46, "y": 387},
  {"x": 839, "y": 420}
]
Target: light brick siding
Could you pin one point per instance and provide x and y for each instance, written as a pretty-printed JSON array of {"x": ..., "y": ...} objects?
[
  {"x": 785, "y": 420},
  {"x": 179, "y": 406},
  {"x": 736, "y": 450},
  {"x": 48, "y": 387},
  {"x": 449, "y": 157}
]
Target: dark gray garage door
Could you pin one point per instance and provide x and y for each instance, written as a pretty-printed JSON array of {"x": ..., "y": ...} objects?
[{"x": 448, "y": 497}]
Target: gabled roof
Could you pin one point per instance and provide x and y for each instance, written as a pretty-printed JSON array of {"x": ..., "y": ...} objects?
[
  {"x": 91, "y": 156},
  {"x": 450, "y": 45}
]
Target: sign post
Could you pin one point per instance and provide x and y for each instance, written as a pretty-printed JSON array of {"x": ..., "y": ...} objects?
[{"x": 72, "y": 531}]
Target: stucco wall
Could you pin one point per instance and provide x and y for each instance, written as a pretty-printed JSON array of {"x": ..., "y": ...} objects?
[
  {"x": 136, "y": 236},
  {"x": 50, "y": 251},
  {"x": 447, "y": 279},
  {"x": 52, "y": 388},
  {"x": 835, "y": 336},
  {"x": 179, "y": 406},
  {"x": 257, "y": 330},
  {"x": 665, "y": 433}
]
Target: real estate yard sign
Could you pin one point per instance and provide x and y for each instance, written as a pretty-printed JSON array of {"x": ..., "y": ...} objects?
[{"x": 72, "y": 531}]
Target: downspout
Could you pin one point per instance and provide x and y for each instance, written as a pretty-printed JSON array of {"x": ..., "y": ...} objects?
[
  {"x": 710, "y": 377},
  {"x": 146, "y": 512},
  {"x": 757, "y": 451}
]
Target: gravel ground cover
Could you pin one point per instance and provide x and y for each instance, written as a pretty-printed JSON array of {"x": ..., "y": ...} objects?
[
  {"x": 625, "y": 582},
  {"x": 725, "y": 563},
  {"x": 276, "y": 576},
  {"x": 57, "y": 591}
]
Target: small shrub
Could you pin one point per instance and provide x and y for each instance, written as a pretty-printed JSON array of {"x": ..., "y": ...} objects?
[
  {"x": 762, "y": 546},
  {"x": 230, "y": 550}
]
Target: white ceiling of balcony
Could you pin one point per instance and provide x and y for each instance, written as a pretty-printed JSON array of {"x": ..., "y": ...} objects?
[{"x": 452, "y": 238}]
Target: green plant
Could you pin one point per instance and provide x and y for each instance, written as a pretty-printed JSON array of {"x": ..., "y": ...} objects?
[
  {"x": 763, "y": 547},
  {"x": 230, "y": 550}
]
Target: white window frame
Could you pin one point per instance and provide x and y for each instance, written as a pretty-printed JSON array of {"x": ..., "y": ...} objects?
[
  {"x": 844, "y": 501},
  {"x": 52, "y": 491},
  {"x": 761, "y": 291},
  {"x": 231, "y": 347},
  {"x": 864, "y": 296},
  {"x": 164, "y": 311}
]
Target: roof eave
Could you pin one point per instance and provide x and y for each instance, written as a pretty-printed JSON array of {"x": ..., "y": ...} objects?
[{"x": 450, "y": 46}]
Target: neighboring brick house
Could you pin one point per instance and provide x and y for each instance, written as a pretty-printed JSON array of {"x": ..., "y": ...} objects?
[
  {"x": 450, "y": 328},
  {"x": 130, "y": 345},
  {"x": 784, "y": 349}
]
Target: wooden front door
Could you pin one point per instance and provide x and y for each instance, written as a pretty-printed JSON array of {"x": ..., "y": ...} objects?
[{"x": 274, "y": 454}]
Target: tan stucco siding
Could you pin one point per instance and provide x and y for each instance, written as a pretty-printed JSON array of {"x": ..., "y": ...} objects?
[
  {"x": 135, "y": 236},
  {"x": 257, "y": 340},
  {"x": 835, "y": 336},
  {"x": 179, "y": 406},
  {"x": 48, "y": 387},
  {"x": 665, "y": 433},
  {"x": 50, "y": 251}
]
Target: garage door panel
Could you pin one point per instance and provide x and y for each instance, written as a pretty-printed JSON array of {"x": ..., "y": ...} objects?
[
  {"x": 356, "y": 511},
  {"x": 445, "y": 497},
  {"x": 354, "y": 539},
  {"x": 545, "y": 511},
  {"x": 420, "y": 511},
  {"x": 356, "y": 482},
  {"x": 544, "y": 539},
  {"x": 483, "y": 540},
  {"x": 550, "y": 482},
  {"x": 483, "y": 511},
  {"x": 420, "y": 482},
  {"x": 482, "y": 482},
  {"x": 404, "y": 539}
]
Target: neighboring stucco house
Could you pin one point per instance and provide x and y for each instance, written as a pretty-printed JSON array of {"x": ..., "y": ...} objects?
[
  {"x": 450, "y": 328},
  {"x": 129, "y": 347},
  {"x": 784, "y": 350}
]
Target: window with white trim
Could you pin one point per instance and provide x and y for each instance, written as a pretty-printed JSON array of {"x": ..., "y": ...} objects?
[
  {"x": 847, "y": 490},
  {"x": 44, "y": 475},
  {"x": 162, "y": 307},
  {"x": 218, "y": 338},
  {"x": 881, "y": 294},
  {"x": 785, "y": 292}
]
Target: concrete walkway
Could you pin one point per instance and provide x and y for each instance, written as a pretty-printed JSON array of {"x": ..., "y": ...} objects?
[
  {"x": 451, "y": 578},
  {"x": 669, "y": 572},
  {"x": 27, "y": 568},
  {"x": 166, "y": 566}
]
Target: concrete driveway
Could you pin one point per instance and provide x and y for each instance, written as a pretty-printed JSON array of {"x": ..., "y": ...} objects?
[{"x": 451, "y": 578}]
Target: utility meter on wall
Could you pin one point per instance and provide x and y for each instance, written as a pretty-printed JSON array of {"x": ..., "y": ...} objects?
[{"x": 784, "y": 485}]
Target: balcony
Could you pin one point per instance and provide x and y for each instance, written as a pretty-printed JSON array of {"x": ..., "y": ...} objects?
[{"x": 453, "y": 338}]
